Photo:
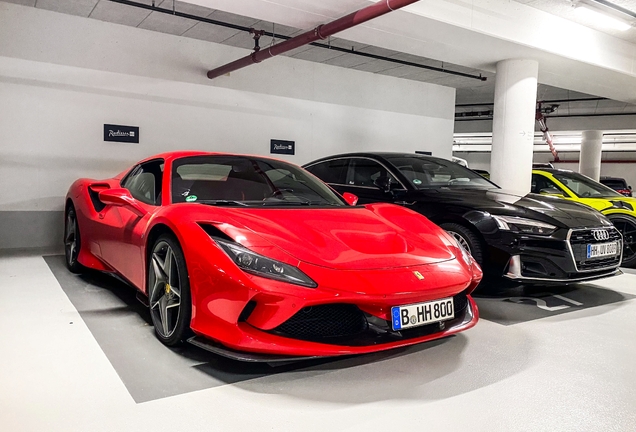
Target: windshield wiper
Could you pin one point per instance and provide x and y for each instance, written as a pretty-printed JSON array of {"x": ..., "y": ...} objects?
[
  {"x": 223, "y": 203},
  {"x": 297, "y": 203}
]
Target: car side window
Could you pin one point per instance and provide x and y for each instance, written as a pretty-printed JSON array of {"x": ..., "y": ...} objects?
[
  {"x": 369, "y": 173},
  {"x": 331, "y": 171},
  {"x": 540, "y": 183},
  {"x": 144, "y": 182}
]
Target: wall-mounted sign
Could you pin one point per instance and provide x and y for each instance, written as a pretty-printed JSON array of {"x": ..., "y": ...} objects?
[
  {"x": 282, "y": 147},
  {"x": 119, "y": 133}
]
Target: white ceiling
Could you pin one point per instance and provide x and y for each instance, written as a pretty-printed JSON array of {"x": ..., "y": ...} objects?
[
  {"x": 305, "y": 14},
  {"x": 565, "y": 9}
]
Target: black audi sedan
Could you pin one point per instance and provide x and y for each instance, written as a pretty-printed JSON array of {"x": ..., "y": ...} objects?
[{"x": 532, "y": 239}]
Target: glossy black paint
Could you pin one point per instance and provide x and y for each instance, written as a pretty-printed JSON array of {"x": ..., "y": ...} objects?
[{"x": 547, "y": 259}]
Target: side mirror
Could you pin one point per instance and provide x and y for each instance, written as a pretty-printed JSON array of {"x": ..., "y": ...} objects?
[
  {"x": 399, "y": 193},
  {"x": 121, "y": 197},
  {"x": 350, "y": 198},
  {"x": 383, "y": 183},
  {"x": 629, "y": 187}
]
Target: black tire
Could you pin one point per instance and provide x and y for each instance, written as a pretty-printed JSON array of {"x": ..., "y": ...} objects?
[
  {"x": 72, "y": 241},
  {"x": 627, "y": 226},
  {"x": 467, "y": 239},
  {"x": 169, "y": 299}
]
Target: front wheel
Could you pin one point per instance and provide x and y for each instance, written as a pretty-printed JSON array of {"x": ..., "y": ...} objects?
[
  {"x": 72, "y": 241},
  {"x": 466, "y": 239},
  {"x": 169, "y": 291},
  {"x": 627, "y": 226}
]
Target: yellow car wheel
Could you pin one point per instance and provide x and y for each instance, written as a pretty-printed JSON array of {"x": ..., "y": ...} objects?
[{"x": 627, "y": 226}]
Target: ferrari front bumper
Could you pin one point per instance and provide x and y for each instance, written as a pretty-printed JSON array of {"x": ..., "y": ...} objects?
[{"x": 257, "y": 345}]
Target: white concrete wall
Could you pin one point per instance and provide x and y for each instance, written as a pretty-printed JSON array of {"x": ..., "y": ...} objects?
[{"x": 62, "y": 77}]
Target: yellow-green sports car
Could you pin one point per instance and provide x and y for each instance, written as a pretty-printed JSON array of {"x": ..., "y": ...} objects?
[{"x": 576, "y": 187}]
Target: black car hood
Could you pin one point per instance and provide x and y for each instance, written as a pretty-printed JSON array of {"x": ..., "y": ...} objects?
[{"x": 553, "y": 210}]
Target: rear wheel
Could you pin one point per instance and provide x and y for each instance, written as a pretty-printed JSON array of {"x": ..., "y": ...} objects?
[
  {"x": 169, "y": 291},
  {"x": 72, "y": 243},
  {"x": 627, "y": 227}
]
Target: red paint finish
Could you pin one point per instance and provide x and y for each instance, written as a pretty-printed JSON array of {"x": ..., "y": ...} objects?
[
  {"x": 367, "y": 256},
  {"x": 321, "y": 32}
]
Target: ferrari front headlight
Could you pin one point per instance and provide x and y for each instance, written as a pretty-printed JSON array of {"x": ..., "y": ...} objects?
[
  {"x": 260, "y": 265},
  {"x": 523, "y": 225}
]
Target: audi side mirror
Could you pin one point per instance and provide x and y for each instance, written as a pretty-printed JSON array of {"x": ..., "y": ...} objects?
[
  {"x": 350, "y": 198},
  {"x": 121, "y": 197},
  {"x": 399, "y": 193},
  {"x": 383, "y": 183}
]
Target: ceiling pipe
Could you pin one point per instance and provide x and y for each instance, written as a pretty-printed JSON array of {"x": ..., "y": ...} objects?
[{"x": 323, "y": 31}]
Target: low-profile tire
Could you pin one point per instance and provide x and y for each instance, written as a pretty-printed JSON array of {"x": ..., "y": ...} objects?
[
  {"x": 627, "y": 226},
  {"x": 168, "y": 289},
  {"x": 72, "y": 241},
  {"x": 467, "y": 239}
]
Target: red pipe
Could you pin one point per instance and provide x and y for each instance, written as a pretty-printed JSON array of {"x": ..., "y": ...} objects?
[{"x": 323, "y": 31}]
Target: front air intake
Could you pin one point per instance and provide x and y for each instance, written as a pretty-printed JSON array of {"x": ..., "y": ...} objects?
[{"x": 325, "y": 321}]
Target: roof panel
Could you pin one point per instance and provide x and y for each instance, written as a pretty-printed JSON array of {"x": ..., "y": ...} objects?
[{"x": 76, "y": 7}]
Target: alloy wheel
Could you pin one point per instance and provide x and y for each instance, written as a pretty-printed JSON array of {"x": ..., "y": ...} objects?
[
  {"x": 165, "y": 292},
  {"x": 627, "y": 228},
  {"x": 461, "y": 240},
  {"x": 70, "y": 239}
]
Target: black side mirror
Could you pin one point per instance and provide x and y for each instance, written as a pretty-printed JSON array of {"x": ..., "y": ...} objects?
[
  {"x": 399, "y": 193},
  {"x": 383, "y": 183}
]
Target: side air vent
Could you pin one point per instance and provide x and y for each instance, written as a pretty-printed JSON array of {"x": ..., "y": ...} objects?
[
  {"x": 215, "y": 232},
  {"x": 93, "y": 193}
]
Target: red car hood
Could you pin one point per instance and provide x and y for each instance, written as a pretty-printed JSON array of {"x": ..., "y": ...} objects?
[{"x": 372, "y": 237}]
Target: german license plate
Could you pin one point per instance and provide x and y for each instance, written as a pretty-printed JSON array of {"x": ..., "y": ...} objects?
[
  {"x": 602, "y": 250},
  {"x": 418, "y": 314}
]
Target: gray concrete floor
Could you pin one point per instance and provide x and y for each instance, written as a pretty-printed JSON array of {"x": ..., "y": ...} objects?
[{"x": 78, "y": 355}]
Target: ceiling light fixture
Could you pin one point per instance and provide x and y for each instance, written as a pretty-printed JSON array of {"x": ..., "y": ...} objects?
[{"x": 605, "y": 14}]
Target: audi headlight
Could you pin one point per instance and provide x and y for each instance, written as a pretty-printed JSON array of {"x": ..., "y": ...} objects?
[
  {"x": 523, "y": 225},
  {"x": 260, "y": 265}
]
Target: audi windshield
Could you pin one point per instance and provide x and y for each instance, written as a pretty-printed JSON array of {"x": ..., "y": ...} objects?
[{"x": 429, "y": 173}]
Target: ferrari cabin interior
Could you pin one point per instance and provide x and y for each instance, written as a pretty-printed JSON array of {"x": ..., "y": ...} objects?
[{"x": 345, "y": 215}]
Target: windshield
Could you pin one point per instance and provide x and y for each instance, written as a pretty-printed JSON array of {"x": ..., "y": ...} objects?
[
  {"x": 584, "y": 187},
  {"x": 247, "y": 181},
  {"x": 433, "y": 173}
]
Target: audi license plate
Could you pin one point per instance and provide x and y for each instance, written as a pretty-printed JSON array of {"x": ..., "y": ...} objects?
[
  {"x": 419, "y": 314},
  {"x": 602, "y": 250}
]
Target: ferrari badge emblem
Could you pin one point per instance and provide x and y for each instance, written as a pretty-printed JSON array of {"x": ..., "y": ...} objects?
[
  {"x": 418, "y": 275},
  {"x": 167, "y": 288}
]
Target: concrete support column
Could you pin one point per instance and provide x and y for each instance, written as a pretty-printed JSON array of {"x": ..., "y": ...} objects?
[
  {"x": 590, "y": 158},
  {"x": 513, "y": 124}
]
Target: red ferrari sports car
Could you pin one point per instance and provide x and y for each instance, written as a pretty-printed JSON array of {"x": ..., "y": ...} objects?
[{"x": 255, "y": 259}]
